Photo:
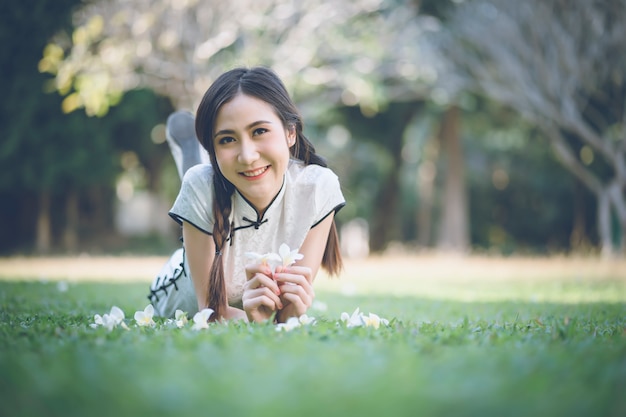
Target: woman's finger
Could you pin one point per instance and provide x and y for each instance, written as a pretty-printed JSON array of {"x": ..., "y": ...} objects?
[
  {"x": 261, "y": 280},
  {"x": 286, "y": 279},
  {"x": 298, "y": 305},
  {"x": 297, "y": 294},
  {"x": 253, "y": 269},
  {"x": 262, "y": 300},
  {"x": 259, "y": 308},
  {"x": 262, "y": 296},
  {"x": 296, "y": 270}
]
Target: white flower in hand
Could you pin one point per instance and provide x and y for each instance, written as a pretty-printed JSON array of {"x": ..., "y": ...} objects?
[
  {"x": 181, "y": 318},
  {"x": 265, "y": 259},
  {"x": 144, "y": 318},
  {"x": 354, "y": 320},
  {"x": 201, "y": 319},
  {"x": 289, "y": 256},
  {"x": 270, "y": 259}
]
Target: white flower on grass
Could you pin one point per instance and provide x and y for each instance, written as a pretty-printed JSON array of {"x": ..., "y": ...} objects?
[
  {"x": 306, "y": 320},
  {"x": 289, "y": 256},
  {"x": 144, "y": 318},
  {"x": 354, "y": 320},
  {"x": 97, "y": 321},
  {"x": 201, "y": 319},
  {"x": 111, "y": 320},
  {"x": 289, "y": 325},
  {"x": 374, "y": 321},
  {"x": 295, "y": 322},
  {"x": 358, "y": 319},
  {"x": 181, "y": 318}
]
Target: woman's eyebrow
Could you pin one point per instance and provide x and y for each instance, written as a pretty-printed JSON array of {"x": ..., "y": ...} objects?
[{"x": 250, "y": 126}]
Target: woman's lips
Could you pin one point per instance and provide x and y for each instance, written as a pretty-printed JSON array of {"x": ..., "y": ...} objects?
[{"x": 255, "y": 173}]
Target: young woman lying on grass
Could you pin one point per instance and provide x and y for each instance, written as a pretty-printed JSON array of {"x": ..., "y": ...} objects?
[{"x": 264, "y": 186}]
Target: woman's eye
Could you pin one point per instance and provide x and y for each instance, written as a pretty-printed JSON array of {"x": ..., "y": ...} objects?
[
  {"x": 225, "y": 139},
  {"x": 259, "y": 131}
]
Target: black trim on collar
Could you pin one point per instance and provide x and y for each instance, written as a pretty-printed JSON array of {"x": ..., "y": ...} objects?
[{"x": 260, "y": 218}]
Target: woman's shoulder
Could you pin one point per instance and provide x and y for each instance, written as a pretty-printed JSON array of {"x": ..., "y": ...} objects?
[
  {"x": 314, "y": 189},
  {"x": 199, "y": 170},
  {"x": 198, "y": 174},
  {"x": 302, "y": 175}
]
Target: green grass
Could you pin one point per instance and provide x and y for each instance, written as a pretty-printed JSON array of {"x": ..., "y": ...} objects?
[{"x": 548, "y": 348}]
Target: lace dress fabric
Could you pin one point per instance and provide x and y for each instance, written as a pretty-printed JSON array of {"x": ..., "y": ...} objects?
[{"x": 308, "y": 195}]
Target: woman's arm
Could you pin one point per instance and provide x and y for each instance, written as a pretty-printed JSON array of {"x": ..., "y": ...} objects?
[
  {"x": 200, "y": 252},
  {"x": 298, "y": 298}
]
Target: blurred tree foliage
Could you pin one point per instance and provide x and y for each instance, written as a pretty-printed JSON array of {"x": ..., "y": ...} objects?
[
  {"x": 522, "y": 199},
  {"x": 327, "y": 53},
  {"x": 377, "y": 97},
  {"x": 559, "y": 65},
  {"x": 58, "y": 168}
]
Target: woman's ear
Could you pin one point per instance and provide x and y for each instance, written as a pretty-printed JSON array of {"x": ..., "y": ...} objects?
[{"x": 291, "y": 135}]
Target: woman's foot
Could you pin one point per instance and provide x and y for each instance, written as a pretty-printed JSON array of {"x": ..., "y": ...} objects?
[{"x": 181, "y": 137}]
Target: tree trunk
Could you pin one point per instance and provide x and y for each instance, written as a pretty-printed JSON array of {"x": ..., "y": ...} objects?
[
  {"x": 385, "y": 211},
  {"x": 618, "y": 202},
  {"x": 604, "y": 224},
  {"x": 453, "y": 227},
  {"x": 386, "y": 220},
  {"x": 426, "y": 175},
  {"x": 70, "y": 234},
  {"x": 44, "y": 233},
  {"x": 608, "y": 196},
  {"x": 578, "y": 237}
]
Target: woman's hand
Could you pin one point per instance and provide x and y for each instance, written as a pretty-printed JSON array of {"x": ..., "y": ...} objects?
[
  {"x": 296, "y": 290},
  {"x": 260, "y": 293}
]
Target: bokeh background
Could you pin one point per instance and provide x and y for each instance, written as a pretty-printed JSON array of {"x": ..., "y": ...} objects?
[{"x": 489, "y": 127}]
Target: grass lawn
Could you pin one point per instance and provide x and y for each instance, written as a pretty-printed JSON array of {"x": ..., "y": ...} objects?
[{"x": 467, "y": 337}]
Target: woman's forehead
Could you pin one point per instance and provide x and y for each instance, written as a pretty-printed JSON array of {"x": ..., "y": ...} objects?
[{"x": 244, "y": 109}]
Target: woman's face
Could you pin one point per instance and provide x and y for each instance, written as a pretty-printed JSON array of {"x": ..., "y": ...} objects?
[{"x": 252, "y": 148}]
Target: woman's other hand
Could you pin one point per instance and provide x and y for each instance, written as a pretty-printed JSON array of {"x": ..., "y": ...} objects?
[
  {"x": 296, "y": 290},
  {"x": 260, "y": 294}
]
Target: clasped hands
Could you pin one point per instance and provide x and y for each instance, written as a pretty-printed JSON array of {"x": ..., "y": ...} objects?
[{"x": 288, "y": 292}]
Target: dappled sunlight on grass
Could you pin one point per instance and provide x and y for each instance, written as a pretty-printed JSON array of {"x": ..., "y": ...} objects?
[
  {"x": 82, "y": 268},
  {"x": 484, "y": 279},
  {"x": 472, "y": 278}
]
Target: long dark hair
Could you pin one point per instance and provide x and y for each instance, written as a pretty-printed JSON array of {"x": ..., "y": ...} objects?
[{"x": 264, "y": 84}]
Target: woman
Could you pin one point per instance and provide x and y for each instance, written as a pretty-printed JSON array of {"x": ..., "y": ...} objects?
[{"x": 265, "y": 186}]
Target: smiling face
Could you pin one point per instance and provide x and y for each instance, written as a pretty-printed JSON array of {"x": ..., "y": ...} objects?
[{"x": 252, "y": 148}]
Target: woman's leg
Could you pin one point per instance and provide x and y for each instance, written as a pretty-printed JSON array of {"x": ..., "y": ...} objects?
[
  {"x": 172, "y": 288},
  {"x": 181, "y": 137}
]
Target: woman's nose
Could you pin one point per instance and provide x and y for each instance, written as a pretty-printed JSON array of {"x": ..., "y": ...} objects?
[{"x": 248, "y": 152}]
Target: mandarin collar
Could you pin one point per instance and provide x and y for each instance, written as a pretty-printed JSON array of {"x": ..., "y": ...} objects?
[{"x": 248, "y": 216}]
